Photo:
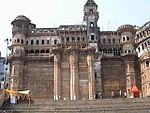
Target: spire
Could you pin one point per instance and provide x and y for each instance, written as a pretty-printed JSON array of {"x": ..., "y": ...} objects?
[{"x": 90, "y": 3}]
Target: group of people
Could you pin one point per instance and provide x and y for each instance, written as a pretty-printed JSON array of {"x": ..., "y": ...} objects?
[
  {"x": 13, "y": 99},
  {"x": 121, "y": 94}
]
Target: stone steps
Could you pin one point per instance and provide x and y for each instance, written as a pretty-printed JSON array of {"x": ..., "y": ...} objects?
[{"x": 84, "y": 106}]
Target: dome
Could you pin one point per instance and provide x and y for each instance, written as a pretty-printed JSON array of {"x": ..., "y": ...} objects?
[
  {"x": 90, "y": 3},
  {"x": 22, "y": 17},
  {"x": 126, "y": 28}
]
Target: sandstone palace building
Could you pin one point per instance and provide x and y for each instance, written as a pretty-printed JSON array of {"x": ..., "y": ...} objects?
[{"x": 76, "y": 62}]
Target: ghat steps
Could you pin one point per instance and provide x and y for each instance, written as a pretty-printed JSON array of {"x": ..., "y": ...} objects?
[{"x": 139, "y": 105}]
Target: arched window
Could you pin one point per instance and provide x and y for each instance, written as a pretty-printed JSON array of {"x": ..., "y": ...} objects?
[
  {"x": 95, "y": 75},
  {"x": 142, "y": 47},
  {"x": 145, "y": 44},
  {"x": 78, "y": 39},
  {"x": 47, "y": 42},
  {"x": 73, "y": 39},
  {"x": 15, "y": 40},
  {"x": 113, "y": 41},
  {"x": 31, "y": 51},
  {"x": 18, "y": 40},
  {"x": 139, "y": 49},
  {"x": 109, "y": 41},
  {"x": 31, "y": 42},
  {"x": 147, "y": 63},
  {"x": 104, "y": 41},
  {"x": 67, "y": 40},
  {"x": 83, "y": 38},
  {"x": 91, "y": 10},
  {"x": 55, "y": 41},
  {"x": 36, "y": 51},
  {"x": 124, "y": 39},
  {"x": 128, "y": 38},
  {"x": 92, "y": 37},
  {"x": 42, "y": 51},
  {"x": 92, "y": 24},
  {"x": 148, "y": 42},
  {"x": 47, "y": 51},
  {"x": 37, "y": 42},
  {"x": 21, "y": 41},
  {"x": 26, "y": 42},
  {"x": 42, "y": 42},
  {"x": 129, "y": 51},
  {"x": 62, "y": 39}
]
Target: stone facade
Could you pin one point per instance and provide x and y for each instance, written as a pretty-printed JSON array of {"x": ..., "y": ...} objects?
[
  {"x": 142, "y": 40},
  {"x": 73, "y": 61}
]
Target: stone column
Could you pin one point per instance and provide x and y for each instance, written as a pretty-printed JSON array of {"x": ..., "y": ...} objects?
[
  {"x": 16, "y": 79},
  {"x": 74, "y": 75},
  {"x": 90, "y": 64},
  {"x": 57, "y": 73},
  {"x": 130, "y": 77}
]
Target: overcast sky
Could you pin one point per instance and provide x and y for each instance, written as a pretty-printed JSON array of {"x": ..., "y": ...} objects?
[{"x": 52, "y": 13}]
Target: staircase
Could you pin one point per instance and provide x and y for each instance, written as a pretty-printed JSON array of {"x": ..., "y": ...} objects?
[{"x": 140, "y": 105}]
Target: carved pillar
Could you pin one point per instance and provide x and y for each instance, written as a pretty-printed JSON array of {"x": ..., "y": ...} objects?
[
  {"x": 74, "y": 74},
  {"x": 90, "y": 63},
  {"x": 57, "y": 73},
  {"x": 130, "y": 73},
  {"x": 130, "y": 77}
]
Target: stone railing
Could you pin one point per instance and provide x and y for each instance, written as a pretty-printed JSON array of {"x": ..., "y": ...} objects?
[{"x": 36, "y": 55}]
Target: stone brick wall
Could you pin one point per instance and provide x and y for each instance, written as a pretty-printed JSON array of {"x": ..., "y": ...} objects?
[
  {"x": 113, "y": 76},
  {"x": 38, "y": 77}
]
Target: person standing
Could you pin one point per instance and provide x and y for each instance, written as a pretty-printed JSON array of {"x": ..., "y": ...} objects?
[
  {"x": 112, "y": 94},
  {"x": 29, "y": 99},
  {"x": 120, "y": 93}
]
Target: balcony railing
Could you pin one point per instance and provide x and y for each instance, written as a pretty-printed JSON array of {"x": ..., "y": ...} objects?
[{"x": 38, "y": 55}]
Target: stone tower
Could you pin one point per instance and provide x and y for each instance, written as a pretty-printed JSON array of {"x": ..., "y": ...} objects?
[
  {"x": 129, "y": 55},
  {"x": 21, "y": 26},
  {"x": 91, "y": 17}
]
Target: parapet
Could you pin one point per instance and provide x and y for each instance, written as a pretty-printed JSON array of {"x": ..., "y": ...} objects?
[{"x": 126, "y": 28}]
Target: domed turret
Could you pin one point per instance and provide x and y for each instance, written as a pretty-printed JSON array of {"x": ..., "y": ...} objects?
[
  {"x": 22, "y": 17},
  {"x": 21, "y": 27},
  {"x": 126, "y": 28},
  {"x": 20, "y": 24},
  {"x": 127, "y": 39}
]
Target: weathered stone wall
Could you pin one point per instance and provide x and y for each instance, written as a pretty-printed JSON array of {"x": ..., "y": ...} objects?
[
  {"x": 113, "y": 76},
  {"x": 38, "y": 77},
  {"x": 65, "y": 77},
  {"x": 83, "y": 78}
]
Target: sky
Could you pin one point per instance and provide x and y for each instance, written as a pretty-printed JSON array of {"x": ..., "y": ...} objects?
[{"x": 52, "y": 13}]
